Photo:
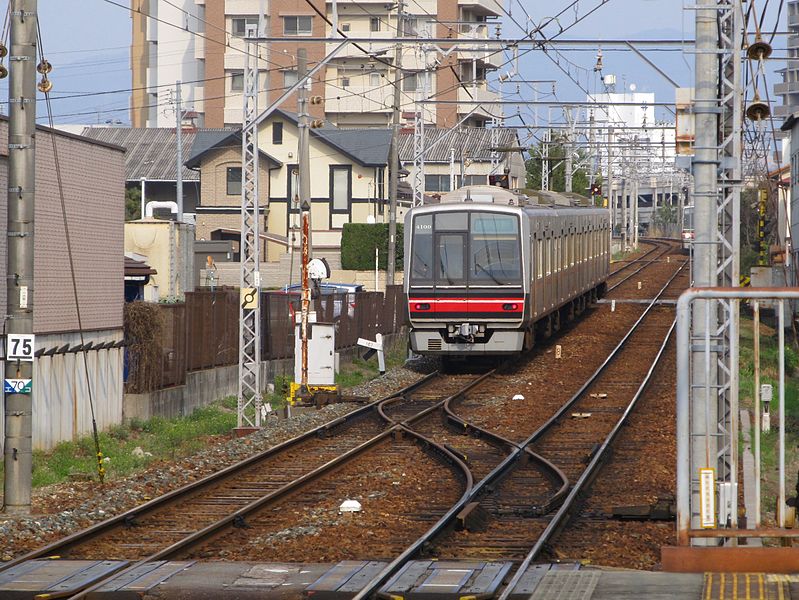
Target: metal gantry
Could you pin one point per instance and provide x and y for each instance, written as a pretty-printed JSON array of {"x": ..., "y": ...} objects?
[
  {"x": 713, "y": 334},
  {"x": 249, "y": 397}
]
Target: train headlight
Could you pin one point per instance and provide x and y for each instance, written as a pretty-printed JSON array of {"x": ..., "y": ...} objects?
[{"x": 422, "y": 306}]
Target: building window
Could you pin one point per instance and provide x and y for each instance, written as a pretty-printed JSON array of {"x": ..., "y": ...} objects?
[
  {"x": 240, "y": 25},
  {"x": 380, "y": 182},
  {"x": 410, "y": 26},
  {"x": 234, "y": 181},
  {"x": 436, "y": 183},
  {"x": 340, "y": 185},
  {"x": 289, "y": 78},
  {"x": 345, "y": 27},
  {"x": 345, "y": 81},
  {"x": 374, "y": 24},
  {"x": 374, "y": 80},
  {"x": 237, "y": 81},
  {"x": 474, "y": 180},
  {"x": 277, "y": 133},
  {"x": 297, "y": 25},
  {"x": 410, "y": 82}
]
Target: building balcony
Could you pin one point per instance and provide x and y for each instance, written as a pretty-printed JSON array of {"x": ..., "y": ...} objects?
[
  {"x": 486, "y": 55},
  {"x": 481, "y": 97},
  {"x": 483, "y": 7},
  {"x": 787, "y": 87},
  {"x": 199, "y": 47},
  {"x": 357, "y": 99}
]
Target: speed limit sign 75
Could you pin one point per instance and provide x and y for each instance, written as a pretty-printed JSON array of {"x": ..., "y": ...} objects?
[{"x": 20, "y": 346}]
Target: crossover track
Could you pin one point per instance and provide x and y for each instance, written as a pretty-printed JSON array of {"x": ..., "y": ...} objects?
[{"x": 512, "y": 493}]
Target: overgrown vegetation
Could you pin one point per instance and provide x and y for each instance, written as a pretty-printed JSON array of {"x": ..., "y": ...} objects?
[
  {"x": 358, "y": 243},
  {"x": 134, "y": 445},
  {"x": 132, "y": 203},
  {"x": 144, "y": 323}
]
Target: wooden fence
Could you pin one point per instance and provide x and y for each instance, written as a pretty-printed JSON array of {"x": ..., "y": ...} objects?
[{"x": 203, "y": 331}]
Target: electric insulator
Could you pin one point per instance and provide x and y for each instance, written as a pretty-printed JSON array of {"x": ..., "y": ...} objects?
[
  {"x": 45, "y": 85},
  {"x": 3, "y": 72},
  {"x": 44, "y": 67},
  {"x": 3, "y": 50},
  {"x": 758, "y": 50},
  {"x": 317, "y": 123},
  {"x": 757, "y": 111},
  {"x": 317, "y": 99}
]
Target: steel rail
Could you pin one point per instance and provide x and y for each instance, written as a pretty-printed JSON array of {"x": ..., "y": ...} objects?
[
  {"x": 504, "y": 467},
  {"x": 238, "y": 518}
]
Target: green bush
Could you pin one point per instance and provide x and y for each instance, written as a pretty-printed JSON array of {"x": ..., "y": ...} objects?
[{"x": 358, "y": 243}]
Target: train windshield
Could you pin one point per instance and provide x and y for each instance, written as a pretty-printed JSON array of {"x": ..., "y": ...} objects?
[{"x": 466, "y": 248}]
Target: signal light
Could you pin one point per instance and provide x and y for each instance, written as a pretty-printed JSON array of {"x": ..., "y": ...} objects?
[
  {"x": 424, "y": 306},
  {"x": 596, "y": 189},
  {"x": 510, "y": 306}
]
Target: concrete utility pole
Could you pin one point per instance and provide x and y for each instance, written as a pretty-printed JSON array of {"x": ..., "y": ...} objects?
[
  {"x": 304, "y": 150},
  {"x": 17, "y": 458},
  {"x": 393, "y": 184},
  {"x": 704, "y": 415},
  {"x": 611, "y": 199},
  {"x": 567, "y": 147},
  {"x": 179, "y": 150}
]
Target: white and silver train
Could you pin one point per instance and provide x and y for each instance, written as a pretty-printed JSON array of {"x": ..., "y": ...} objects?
[{"x": 487, "y": 269}]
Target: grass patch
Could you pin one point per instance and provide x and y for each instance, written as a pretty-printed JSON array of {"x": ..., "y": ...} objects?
[
  {"x": 769, "y": 373},
  {"x": 163, "y": 439},
  {"x": 360, "y": 371}
]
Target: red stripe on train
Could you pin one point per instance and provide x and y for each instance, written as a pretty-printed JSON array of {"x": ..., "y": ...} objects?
[{"x": 431, "y": 305}]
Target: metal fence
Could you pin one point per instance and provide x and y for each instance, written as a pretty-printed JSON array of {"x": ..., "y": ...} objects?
[
  {"x": 203, "y": 331},
  {"x": 212, "y": 329}
]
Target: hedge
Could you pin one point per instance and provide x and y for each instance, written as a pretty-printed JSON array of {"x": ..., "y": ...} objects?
[{"x": 358, "y": 243}]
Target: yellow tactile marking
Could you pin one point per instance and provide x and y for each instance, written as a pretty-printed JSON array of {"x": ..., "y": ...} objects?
[{"x": 756, "y": 586}]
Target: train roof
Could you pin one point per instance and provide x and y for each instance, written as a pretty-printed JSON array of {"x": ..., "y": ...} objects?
[{"x": 489, "y": 194}]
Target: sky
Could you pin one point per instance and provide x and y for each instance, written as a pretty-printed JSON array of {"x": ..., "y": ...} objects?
[{"x": 87, "y": 41}]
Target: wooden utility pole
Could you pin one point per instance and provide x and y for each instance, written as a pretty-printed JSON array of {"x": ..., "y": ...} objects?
[{"x": 19, "y": 275}]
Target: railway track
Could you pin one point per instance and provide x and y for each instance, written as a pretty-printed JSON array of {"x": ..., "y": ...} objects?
[
  {"x": 173, "y": 524},
  {"x": 630, "y": 269},
  {"x": 512, "y": 504}
]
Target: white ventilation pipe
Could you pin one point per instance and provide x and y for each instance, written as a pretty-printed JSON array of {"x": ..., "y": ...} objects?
[{"x": 171, "y": 205}]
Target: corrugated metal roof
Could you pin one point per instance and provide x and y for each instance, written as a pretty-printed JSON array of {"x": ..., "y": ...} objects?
[
  {"x": 151, "y": 151},
  {"x": 474, "y": 142}
]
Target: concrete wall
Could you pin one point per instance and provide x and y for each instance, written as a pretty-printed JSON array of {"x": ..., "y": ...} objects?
[{"x": 207, "y": 386}]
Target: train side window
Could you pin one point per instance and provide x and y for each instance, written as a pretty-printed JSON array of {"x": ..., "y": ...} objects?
[
  {"x": 549, "y": 256},
  {"x": 540, "y": 258},
  {"x": 422, "y": 249}
]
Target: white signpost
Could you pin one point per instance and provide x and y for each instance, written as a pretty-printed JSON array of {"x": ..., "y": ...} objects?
[
  {"x": 20, "y": 347},
  {"x": 376, "y": 346}
]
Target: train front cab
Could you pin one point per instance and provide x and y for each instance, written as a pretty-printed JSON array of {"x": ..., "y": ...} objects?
[{"x": 466, "y": 281}]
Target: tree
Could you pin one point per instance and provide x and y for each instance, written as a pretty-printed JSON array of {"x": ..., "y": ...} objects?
[
  {"x": 557, "y": 169},
  {"x": 132, "y": 203}
]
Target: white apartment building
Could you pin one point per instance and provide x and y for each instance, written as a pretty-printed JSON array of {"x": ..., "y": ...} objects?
[{"x": 200, "y": 42}]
